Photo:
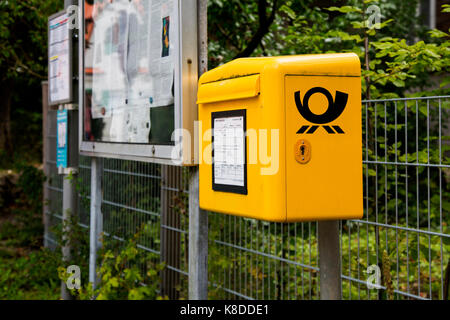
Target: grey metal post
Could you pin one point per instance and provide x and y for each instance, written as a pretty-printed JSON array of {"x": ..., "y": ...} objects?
[
  {"x": 70, "y": 194},
  {"x": 96, "y": 217},
  {"x": 198, "y": 219},
  {"x": 329, "y": 260}
]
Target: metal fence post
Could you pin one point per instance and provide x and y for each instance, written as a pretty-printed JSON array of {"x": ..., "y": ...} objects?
[
  {"x": 96, "y": 218},
  {"x": 171, "y": 186},
  {"x": 198, "y": 219},
  {"x": 163, "y": 232},
  {"x": 329, "y": 260}
]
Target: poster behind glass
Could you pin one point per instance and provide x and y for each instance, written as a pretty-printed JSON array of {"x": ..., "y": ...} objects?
[{"x": 129, "y": 71}]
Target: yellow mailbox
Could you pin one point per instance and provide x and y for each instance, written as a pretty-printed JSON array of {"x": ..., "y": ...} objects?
[{"x": 280, "y": 138}]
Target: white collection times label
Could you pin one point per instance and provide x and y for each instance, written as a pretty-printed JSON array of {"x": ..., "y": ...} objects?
[{"x": 229, "y": 151}]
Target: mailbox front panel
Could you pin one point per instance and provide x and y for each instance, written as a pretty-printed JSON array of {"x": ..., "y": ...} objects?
[{"x": 323, "y": 148}]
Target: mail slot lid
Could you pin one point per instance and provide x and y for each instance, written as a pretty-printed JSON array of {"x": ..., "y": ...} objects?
[
  {"x": 328, "y": 184},
  {"x": 332, "y": 64},
  {"x": 229, "y": 89}
]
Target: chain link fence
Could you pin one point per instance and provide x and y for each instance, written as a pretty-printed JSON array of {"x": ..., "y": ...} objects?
[{"x": 403, "y": 238}]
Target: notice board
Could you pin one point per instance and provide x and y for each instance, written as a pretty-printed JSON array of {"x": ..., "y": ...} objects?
[{"x": 139, "y": 79}]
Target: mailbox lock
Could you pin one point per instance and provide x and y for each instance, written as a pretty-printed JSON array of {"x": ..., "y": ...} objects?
[{"x": 302, "y": 151}]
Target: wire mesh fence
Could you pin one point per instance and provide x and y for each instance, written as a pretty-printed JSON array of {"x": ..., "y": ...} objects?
[{"x": 403, "y": 238}]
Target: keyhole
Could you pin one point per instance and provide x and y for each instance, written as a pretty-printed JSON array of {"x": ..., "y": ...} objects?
[{"x": 302, "y": 149}]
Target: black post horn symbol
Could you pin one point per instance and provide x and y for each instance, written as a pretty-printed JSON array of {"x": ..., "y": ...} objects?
[{"x": 334, "y": 110}]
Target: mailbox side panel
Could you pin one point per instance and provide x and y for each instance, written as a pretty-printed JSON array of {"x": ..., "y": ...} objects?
[{"x": 323, "y": 148}]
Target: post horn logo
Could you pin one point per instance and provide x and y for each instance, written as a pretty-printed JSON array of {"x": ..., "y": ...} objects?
[{"x": 334, "y": 110}]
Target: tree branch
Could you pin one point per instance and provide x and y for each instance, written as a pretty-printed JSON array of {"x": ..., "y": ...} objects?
[
  {"x": 27, "y": 69},
  {"x": 263, "y": 28}
]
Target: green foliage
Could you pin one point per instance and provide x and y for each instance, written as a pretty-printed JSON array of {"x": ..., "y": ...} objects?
[
  {"x": 27, "y": 270},
  {"x": 33, "y": 276},
  {"x": 23, "y": 37},
  {"x": 30, "y": 182},
  {"x": 71, "y": 233},
  {"x": 126, "y": 273},
  {"x": 387, "y": 279},
  {"x": 24, "y": 229},
  {"x": 23, "y": 65},
  {"x": 396, "y": 63}
]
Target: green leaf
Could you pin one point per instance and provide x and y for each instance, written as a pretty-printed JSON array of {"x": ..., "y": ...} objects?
[
  {"x": 432, "y": 54},
  {"x": 358, "y": 24},
  {"x": 382, "y": 45},
  {"x": 437, "y": 33},
  {"x": 398, "y": 83},
  {"x": 114, "y": 282},
  {"x": 290, "y": 13},
  {"x": 345, "y": 9}
]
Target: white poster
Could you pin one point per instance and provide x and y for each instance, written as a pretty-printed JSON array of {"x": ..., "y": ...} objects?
[
  {"x": 59, "y": 59},
  {"x": 229, "y": 151}
]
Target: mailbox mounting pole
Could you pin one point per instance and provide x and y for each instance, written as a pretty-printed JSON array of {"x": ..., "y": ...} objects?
[{"x": 329, "y": 260}]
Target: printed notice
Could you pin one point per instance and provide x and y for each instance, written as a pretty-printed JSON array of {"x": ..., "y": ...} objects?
[
  {"x": 229, "y": 151},
  {"x": 61, "y": 139},
  {"x": 59, "y": 59}
]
